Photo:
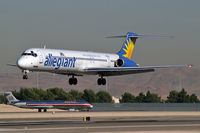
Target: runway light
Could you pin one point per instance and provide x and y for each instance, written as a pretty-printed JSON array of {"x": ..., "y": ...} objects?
[{"x": 86, "y": 118}]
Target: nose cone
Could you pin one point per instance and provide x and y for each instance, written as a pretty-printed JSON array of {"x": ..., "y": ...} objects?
[
  {"x": 91, "y": 106},
  {"x": 21, "y": 63}
]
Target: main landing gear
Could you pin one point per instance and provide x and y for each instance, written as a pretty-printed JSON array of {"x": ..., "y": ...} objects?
[
  {"x": 101, "y": 81},
  {"x": 73, "y": 81},
  {"x": 40, "y": 110}
]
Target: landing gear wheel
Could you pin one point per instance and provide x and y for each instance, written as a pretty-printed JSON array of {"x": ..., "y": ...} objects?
[
  {"x": 101, "y": 81},
  {"x": 39, "y": 110},
  {"x": 25, "y": 76},
  {"x": 45, "y": 110},
  {"x": 25, "y": 72},
  {"x": 73, "y": 81}
]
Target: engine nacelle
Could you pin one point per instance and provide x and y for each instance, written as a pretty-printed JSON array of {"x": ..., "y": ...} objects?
[
  {"x": 125, "y": 62},
  {"x": 119, "y": 63}
]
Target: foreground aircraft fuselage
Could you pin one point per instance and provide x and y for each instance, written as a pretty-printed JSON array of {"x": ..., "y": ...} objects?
[
  {"x": 56, "y": 104},
  {"x": 64, "y": 61},
  {"x": 78, "y": 63}
]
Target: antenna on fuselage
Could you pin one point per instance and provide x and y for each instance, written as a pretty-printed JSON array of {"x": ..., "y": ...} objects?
[{"x": 43, "y": 44}]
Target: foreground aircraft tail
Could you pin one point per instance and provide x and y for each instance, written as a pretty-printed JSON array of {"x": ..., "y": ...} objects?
[
  {"x": 10, "y": 97},
  {"x": 129, "y": 43}
]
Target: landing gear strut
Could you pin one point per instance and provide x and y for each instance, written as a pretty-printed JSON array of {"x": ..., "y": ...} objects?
[
  {"x": 101, "y": 81},
  {"x": 73, "y": 81}
]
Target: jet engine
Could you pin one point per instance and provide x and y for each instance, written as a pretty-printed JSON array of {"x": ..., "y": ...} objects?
[{"x": 119, "y": 63}]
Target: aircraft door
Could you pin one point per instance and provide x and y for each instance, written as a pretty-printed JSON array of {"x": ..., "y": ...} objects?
[
  {"x": 41, "y": 58},
  {"x": 92, "y": 59}
]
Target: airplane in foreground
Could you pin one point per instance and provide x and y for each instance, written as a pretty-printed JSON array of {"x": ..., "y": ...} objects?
[
  {"x": 48, "y": 104},
  {"x": 79, "y": 63}
]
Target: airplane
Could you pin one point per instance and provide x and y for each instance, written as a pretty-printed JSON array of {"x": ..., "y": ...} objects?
[
  {"x": 48, "y": 104},
  {"x": 79, "y": 63}
]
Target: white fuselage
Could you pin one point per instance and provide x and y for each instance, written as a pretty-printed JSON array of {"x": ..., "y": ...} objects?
[
  {"x": 56, "y": 104},
  {"x": 64, "y": 61}
]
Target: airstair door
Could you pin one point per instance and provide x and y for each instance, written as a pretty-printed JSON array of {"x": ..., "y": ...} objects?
[{"x": 41, "y": 58}]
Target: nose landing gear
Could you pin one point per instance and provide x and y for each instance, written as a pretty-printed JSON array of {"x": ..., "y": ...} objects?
[{"x": 25, "y": 76}]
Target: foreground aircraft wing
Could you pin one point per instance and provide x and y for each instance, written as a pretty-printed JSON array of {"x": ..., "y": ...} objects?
[{"x": 114, "y": 71}]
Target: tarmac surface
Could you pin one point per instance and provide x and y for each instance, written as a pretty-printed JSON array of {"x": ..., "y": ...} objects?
[
  {"x": 16, "y": 120},
  {"x": 119, "y": 122}
]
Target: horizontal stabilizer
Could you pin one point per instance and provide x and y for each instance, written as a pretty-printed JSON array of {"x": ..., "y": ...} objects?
[
  {"x": 129, "y": 43},
  {"x": 141, "y": 36}
]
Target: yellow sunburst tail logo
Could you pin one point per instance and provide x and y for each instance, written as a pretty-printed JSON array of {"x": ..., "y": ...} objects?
[{"x": 128, "y": 45}]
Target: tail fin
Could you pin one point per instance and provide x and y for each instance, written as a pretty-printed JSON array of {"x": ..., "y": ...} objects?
[
  {"x": 129, "y": 43},
  {"x": 11, "y": 99}
]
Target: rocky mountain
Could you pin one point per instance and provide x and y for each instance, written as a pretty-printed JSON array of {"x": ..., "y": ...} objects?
[{"x": 160, "y": 82}]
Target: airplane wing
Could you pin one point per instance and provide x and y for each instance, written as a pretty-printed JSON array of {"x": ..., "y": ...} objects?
[
  {"x": 14, "y": 65},
  {"x": 114, "y": 71}
]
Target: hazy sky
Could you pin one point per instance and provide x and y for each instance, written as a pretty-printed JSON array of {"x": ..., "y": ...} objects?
[{"x": 83, "y": 24}]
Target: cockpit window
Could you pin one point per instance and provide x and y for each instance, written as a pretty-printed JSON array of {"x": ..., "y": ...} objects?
[{"x": 31, "y": 53}]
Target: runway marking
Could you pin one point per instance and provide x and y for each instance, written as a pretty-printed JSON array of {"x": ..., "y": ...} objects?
[
  {"x": 149, "y": 132},
  {"x": 95, "y": 127}
]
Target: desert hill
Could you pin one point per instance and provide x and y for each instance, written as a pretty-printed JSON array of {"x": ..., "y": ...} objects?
[{"x": 160, "y": 82}]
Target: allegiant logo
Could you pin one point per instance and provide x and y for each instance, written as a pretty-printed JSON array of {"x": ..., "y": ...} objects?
[{"x": 58, "y": 62}]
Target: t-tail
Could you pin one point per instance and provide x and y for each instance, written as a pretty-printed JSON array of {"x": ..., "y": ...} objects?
[
  {"x": 10, "y": 97},
  {"x": 129, "y": 43}
]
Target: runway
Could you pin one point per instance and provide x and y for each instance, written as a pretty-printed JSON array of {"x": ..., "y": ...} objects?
[
  {"x": 108, "y": 127},
  {"x": 120, "y": 122}
]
